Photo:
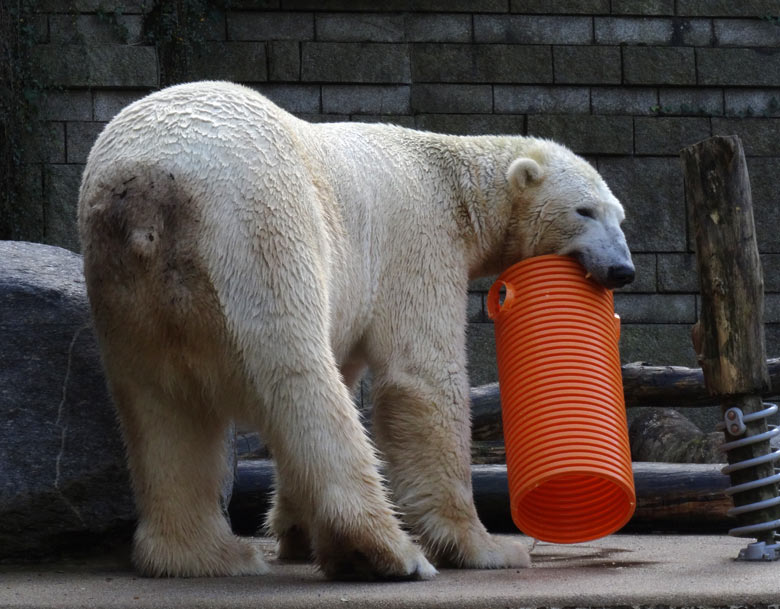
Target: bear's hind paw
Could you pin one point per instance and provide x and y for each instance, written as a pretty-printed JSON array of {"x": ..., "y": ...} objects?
[
  {"x": 407, "y": 565},
  {"x": 234, "y": 557}
]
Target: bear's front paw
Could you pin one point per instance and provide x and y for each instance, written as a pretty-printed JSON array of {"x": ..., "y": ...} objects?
[
  {"x": 492, "y": 552},
  {"x": 348, "y": 559}
]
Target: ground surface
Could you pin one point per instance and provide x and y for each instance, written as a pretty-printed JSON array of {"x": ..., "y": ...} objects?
[{"x": 618, "y": 571}]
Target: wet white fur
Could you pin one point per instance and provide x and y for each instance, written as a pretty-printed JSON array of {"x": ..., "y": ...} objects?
[{"x": 244, "y": 264}]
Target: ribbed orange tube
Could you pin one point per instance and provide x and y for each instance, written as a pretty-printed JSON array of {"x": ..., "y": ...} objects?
[{"x": 567, "y": 451}]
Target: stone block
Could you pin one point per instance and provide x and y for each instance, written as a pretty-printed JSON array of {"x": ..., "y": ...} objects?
[
  {"x": 37, "y": 31},
  {"x": 453, "y": 98},
  {"x": 772, "y": 308},
  {"x": 236, "y": 61},
  {"x": 772, "y": 332},
  {"x": 126, "y": 7},
  {"x": 45, "y": 144},
  {"x": 486, "y": 63},
  {"x": 651, "y": 191},
  {"x": 758, "y": 135},
  {"x": 81, "y": 137},
  {"x": 691, "y": 101},
  {"x": 727, "y": 8},
  {"x": 766, "y": 212},
  {"x": 61, "y": 193},
  {"x": 656, "y": 308},
  {"x": 66, "y": 105},
  {"x": 752, "y": 102},
  {"x": 677, "y": 273},
  {"x": 402, "y": 120},
  {"x": 643, "y": 7},
  {"x": 659, "y": 66},
  {"x": 657, "y": 344},
  {"x": 770, "y": 265},
  {"x": 25, "y": 221},
  {"x": 481, "y": 349},
  {"x": 472, "y": 124},
  {"x": 746, "y": 32},
  {"x": 284, "y": 60},
  {"x": 358, "y": 62},
  {"x": 459, "y": 6},
  {"x": 652, "y": 31},
  {"x": 268, "y": 25},
  {"x": 585, "y": 134},
  {"x": 359, "y": 27},
  {"x": 104, "y": 28},
  {"x": 529, "y": 99},
  {"x": 257, "y": 5},
  {"x": 214, "y": 27},
  {"x": 567, "y": 7},
  {"x": 735, "y": 67},
  {"x": 623, "y": 100},
  {"x": 109, "y": 103},
  {"x": 365, "y": 99},
  {"x": 437, "y": 28},
  {"x": 325, "y": 118},
  {"x": 482, "y": 284},
  {"x": 450, "y": 6},
  {"x": 532, "y": 29},
  {"x": 668, "y": 135},
  {"x": 645, "y": 281},
  {"x": 475, "y": 312},
  {"x": 587, "y": 65},
  {"x": 298, "y": 99},
  {"x": 71, "y": 65}
]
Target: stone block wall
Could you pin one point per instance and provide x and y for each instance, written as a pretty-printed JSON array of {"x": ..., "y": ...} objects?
[{"x": 625, "y": 83}]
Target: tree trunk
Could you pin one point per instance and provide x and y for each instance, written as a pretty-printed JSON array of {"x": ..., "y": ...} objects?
[{"x": 729, "y": 338}]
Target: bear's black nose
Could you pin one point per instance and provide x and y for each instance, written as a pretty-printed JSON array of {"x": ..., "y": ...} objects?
[{"x": 620, "y": 275}]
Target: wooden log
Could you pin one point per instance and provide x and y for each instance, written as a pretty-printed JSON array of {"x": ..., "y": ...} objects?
[
  {"x": 729, "y": 338},
  {"x": 677, "y": 386},
  {"x": 732, "y": 350},
  {"x": 683, "y": 498}
]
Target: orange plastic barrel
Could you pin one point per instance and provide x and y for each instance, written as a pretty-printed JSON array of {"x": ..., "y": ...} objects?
[{"x": 567, "y": 451}]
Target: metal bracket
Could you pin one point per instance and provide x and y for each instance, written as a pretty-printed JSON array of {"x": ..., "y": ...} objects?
[{"x": 760, "y": 551}]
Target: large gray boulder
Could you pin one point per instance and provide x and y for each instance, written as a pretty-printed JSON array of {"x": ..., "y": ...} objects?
[{"x": 63, "y": 479}]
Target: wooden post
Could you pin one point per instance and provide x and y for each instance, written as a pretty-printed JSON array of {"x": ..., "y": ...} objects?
[{"x": 729, "y": 337}]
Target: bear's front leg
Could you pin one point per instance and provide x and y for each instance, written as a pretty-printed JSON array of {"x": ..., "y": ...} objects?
[
  {"x": 425, "y": 437},
  {"x": 422, "y": 424}
]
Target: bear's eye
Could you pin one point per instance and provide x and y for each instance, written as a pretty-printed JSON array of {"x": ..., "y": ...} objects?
[{"x": 586, "y": 212}]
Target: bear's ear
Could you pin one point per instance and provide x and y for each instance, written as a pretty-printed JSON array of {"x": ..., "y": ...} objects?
[{"x": 523, "y": 171}]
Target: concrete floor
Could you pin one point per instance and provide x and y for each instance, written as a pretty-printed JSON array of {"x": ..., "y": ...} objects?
[{"x": 617, "y": 571}]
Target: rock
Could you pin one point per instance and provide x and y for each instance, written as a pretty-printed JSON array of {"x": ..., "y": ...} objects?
[
  {"x": 665, "y": 435},
  {"x": 63, "y": 477}
]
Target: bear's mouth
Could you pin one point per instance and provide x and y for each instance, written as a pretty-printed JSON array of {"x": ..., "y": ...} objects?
[{"x": 611, "y": 277}]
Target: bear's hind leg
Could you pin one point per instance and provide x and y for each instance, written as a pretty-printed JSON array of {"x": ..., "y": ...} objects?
[
  {"x": 176, "y": 453},
  {"x": 327, "y": 468},
  {"x": 285, "y": 521}
]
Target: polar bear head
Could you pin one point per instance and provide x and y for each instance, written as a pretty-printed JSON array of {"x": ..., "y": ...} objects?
[{"x": 563, "y": 206}]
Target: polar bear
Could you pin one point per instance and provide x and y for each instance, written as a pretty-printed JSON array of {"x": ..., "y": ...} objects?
[{"x": 243, "y": 264}]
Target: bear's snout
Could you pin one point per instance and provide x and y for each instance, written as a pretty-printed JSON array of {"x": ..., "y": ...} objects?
[{"x": 620, "y": 275}]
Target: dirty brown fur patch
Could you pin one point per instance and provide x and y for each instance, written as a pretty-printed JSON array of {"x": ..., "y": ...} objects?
[{"x": 152, "y": 300}]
